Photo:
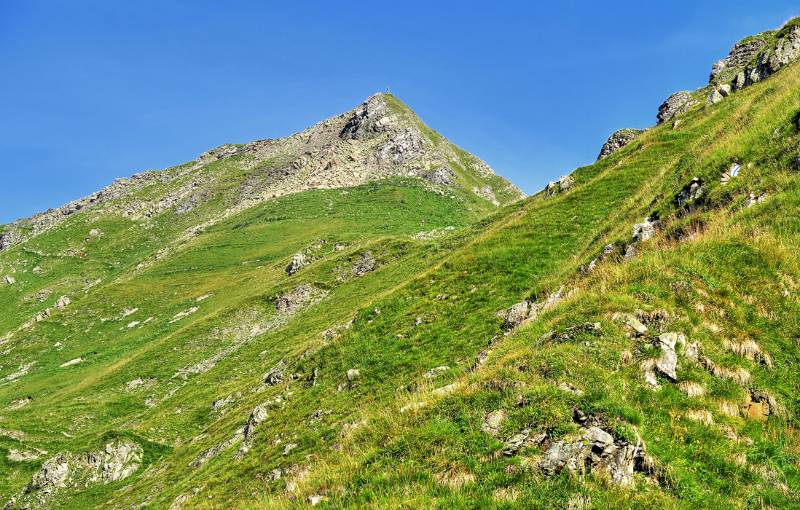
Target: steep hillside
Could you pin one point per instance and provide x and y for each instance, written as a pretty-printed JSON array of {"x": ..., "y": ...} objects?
[{"x": 626, "y": 338}]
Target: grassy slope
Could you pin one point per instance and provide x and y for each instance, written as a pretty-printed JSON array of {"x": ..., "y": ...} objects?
[
  {"x": 738, "y": 271},
  {"x": 738, "y": 265}
]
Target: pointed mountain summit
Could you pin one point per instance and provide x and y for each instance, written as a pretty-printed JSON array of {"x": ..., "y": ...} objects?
[{"x": 379, "y": 139}]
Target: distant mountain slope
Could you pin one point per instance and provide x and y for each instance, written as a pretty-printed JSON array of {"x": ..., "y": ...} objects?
[
  {"x": 627, "y": 338},
  {"x": 381, "y": 138}
]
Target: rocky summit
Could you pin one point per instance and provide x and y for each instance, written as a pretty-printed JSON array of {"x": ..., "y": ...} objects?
[
  {"x": 380, "y": 139},
  {"x": 364, "y": 315}
]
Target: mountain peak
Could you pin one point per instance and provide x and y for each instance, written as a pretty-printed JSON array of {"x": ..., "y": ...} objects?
[{"x": 381, "y": 138}]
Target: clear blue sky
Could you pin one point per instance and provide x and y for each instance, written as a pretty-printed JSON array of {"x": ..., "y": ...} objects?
[{"x": 94, "y": 90}]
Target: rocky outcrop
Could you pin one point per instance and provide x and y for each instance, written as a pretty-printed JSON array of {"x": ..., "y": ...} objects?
[
  {"x": 443, "y": 175},
  {"x": 257, "y": 416},
  {"x": 741, "y": 55},
  {"x": 371, "y": 117},
  {"x": 515, "y": 315},
  {"x": 526, "y": 310},
  {"x": 118, "y": 460},
  {"x": 298, "y": 298},
  {"x": 276, "y": 374},
  {"x": 690, "y": 194},
  {"x": 676, "y": 104},
  {"x": 596, "y": 451},
  {"x": 667, "y": 362},
  {"x": 564, "y": 183},
  {"x": 618, "y": 140},
  {"x": 754, "y": 59},
  {"x": 8, "y": 239},
  {"x": 645, "y": 230},
  {"x": 365, "y": 263}
]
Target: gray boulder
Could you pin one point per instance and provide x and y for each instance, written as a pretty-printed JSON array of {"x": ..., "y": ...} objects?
[
  {"x": 667, "y": 363},
  {"x": 298, "y": 262},
  {"x": 564, "y": 183},
  {"x": 645, "y": 230},
  {"x": 718, "y": 93},
  {"x": 514, "y": 315},
  {"x": 753, "y": 60},
  {"x": 9, "y": 239}
]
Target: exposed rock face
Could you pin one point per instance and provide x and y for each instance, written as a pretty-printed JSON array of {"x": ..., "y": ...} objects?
[
  {"x": 518, "y": 313},
  {"x": 9, "y": 239},
  {"x": 595, "y": 451},
  {"x": 753, "y": 60},
  {"x": 742, "y": 54},
  {"x": 297, "y": 298},
  {"x": 444, "y": 176},
  {"x": 667, "y": 363},
  {"x": 298, "y": 262},
  {"x": 618, "y": 140},
  {"x": 676, "y": 104},
  {"x": 257, "y": 416},
  {"x": 369, "y": 118},
  {"x": 118, "y": 460},
  {"x": 523, "y": 439}
]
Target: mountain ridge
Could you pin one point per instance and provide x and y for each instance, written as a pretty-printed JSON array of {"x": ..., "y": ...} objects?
[{"x": 388, "y": 140}]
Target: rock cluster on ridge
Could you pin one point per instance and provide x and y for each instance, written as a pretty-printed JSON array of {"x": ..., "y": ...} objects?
[
  {"x": 753, "y": 59},
  {"x": 618, "y": 140}
]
